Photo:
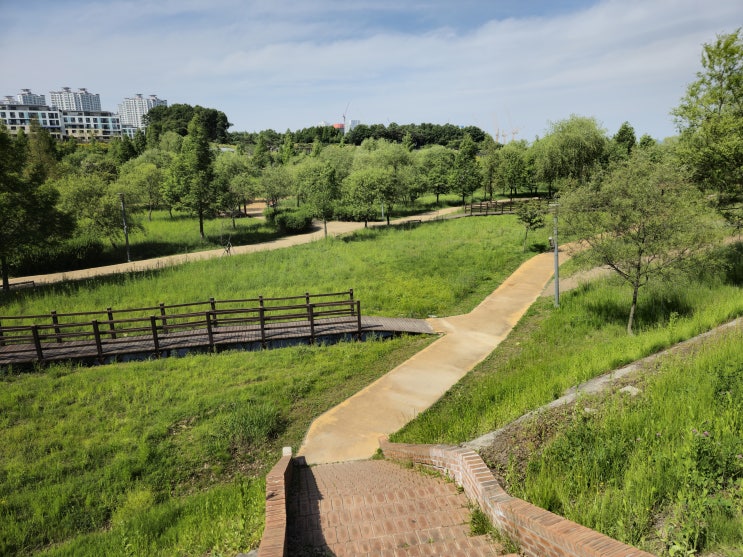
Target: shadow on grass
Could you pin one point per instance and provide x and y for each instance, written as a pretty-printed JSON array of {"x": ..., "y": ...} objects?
[{"x": 653, "y": 308}]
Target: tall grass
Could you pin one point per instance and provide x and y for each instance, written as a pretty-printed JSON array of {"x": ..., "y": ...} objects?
[
  {"x": 440, "y": 268},
  {"x": 552, "y": 349},
  {"x": 164, "y": 457},
  {"x": 663, "y": 470}
]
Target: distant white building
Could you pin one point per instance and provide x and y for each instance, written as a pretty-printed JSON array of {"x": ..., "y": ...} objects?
[
  {"x": 85, "y": 125},
  {"x": 352, "y": 124},
  {"x": 18, "y": 117},
  {"x": 133, "y": 109},
  {"x": 66, "y": 99},
  {"x": 25, "y": 97}
]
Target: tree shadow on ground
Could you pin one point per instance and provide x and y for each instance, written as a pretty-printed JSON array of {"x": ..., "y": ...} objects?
[{"x": 653, "y": 309}]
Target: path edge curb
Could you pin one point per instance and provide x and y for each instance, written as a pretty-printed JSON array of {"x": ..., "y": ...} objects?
[{"x": 536, "y": 531}]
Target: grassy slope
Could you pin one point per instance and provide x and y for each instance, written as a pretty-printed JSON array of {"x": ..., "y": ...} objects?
[
  {"x": 167, "y": 457},
  {"x": 551, "y": 350}
]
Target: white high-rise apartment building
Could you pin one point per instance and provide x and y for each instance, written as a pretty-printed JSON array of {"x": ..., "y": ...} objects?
[
  {"x": 66, "y": 99},
  {"x": 132, "y": 110}
]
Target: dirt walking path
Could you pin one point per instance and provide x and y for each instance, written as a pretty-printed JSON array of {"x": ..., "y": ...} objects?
[{"x": 335, "y": 228}]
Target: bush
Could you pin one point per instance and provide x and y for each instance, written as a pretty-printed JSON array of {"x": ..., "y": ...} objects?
[{"x": 293, "y": 221}]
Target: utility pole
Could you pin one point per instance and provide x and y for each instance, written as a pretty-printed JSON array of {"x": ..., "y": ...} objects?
[{"x": 126, "y": 231}]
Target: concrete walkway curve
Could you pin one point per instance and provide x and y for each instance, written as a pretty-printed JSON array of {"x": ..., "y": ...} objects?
[{"x": 351, "y": 430}]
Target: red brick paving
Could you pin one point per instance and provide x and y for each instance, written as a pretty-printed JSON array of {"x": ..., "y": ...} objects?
[{"x": 379, "y": 508}]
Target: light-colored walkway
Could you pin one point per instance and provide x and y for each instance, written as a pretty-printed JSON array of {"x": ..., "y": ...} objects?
[
  {"x": 351, "y": 430},
  {"x": 335, "y": 228}
]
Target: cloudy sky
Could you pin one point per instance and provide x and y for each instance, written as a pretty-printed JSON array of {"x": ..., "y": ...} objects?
[{"x": 508, "y": 65}]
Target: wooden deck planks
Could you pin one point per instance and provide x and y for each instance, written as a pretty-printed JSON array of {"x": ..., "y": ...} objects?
[{"x": 18, "y": 354}]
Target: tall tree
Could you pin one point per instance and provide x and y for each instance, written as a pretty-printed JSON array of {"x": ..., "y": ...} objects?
[
  {"x": 570, "y": 152},
  {"x": 643, "y": 219},
  {"x": 710, "y": 121},
  {"x": 320, "y": 188},
  {"x": 27, "y": 208},
  {"x": 465, "y": 177},
  {"x": 192, "y": 173},
  {"x": 434, "y": 164}
]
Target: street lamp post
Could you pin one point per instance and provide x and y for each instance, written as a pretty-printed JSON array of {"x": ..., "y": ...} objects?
[
  {"x": 557, "y": 257},
  {"x": 126, "y": 230}
]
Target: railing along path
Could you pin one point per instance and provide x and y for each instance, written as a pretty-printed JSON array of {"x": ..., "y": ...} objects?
[{"x": 110, "y": 333}]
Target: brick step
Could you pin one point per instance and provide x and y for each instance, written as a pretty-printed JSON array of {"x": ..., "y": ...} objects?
[
  {"x": 399, "y": 546},
  {"x": 379, "y": 508}
]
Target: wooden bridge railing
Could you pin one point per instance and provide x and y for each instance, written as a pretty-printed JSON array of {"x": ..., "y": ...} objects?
[
  {"x": 497, "y": 207},
  {"x": 224, "y": 317}
]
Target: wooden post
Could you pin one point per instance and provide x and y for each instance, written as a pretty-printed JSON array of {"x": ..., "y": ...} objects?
[
  {"x": 37, "y": 343},
  {"x": 55, "y": 322},
  {"x": 213, "y": 305},
  {"x": 111, "y": 325},
  {"x": 164, "y": 321},
  {"x": 310, "y": 309},
  {"x": 262, "y": 317},
  {"x": 358, "y": 314},
  {"x": 98, "y": 343},
  {"x": 155, "y": 340},
  {"x": 2, "y": 337},
  {"x": 209, "y": 331},
  {"x": 350, "y": 292}
]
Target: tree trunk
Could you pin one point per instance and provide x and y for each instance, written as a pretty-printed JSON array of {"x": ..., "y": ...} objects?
[
  {"x": 526, "y": 233},
  {"x": 325, "y": 227},
  {"x": 6, "y": 278},
  {"x": 201, "y": 224},
  {"x": 633, "y": 307}
]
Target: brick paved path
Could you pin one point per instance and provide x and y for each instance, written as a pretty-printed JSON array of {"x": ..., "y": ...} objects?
[{"x": 379, "y": 508}]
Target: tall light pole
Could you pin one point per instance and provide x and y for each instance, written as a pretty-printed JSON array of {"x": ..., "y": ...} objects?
[
  {"x": 126, "y": 231},
  {"x": 557, "y": 256}
]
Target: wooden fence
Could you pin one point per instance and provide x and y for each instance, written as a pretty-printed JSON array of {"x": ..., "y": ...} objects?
[
  {"x": 165, "y": 327},
  {"x": 497, "y": 207}
]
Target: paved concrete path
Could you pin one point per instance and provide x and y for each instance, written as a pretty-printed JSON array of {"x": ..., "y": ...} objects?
[
  {"x": 335, "y": 228},
  {"x": 351, "y": 430},
  {"x": 377, "y": 508}
]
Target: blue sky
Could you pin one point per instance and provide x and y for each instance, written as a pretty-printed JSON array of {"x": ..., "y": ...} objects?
[{"x": 504, "y": 65}]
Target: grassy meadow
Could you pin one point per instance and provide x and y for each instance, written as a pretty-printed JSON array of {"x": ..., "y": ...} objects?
[
  {"x": 442, "y": 268},
  {"x": 168, "y": 457}
]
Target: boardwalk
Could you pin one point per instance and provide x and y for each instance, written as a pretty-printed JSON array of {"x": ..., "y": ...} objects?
[{"x": 220, "y": 338}]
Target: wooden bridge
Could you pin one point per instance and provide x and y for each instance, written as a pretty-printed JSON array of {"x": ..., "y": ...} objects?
[{"x": 164, "y": 330}]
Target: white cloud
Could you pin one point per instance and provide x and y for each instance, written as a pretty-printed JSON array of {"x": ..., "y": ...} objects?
[{"x": 292, "y": 63}]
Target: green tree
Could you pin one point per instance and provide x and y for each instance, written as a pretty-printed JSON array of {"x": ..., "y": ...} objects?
[
  {"x": 710, "y": 122},
  {"x": 275, "y": 183},
  {"x": 320, "y": 188},
  {"x": 465, "y": 177},
  {"x": 624, "y": 140},
  {"x": 570, "y": 153},
  {"x": 192, "y": 173},
  {"x": 394, "y": 158},
  {"x": 95, "y": 205},
  {"x": 28, "y": 210},
  {"x": 232, "y": 173},
  {"x": 531, "y": 215},
  {"x": 643, "y": 220},
  {"x": 361, "y": 191},
  {"x": 144, "y": 180},
  {"x": 511, "y": 171},
  {"x": 434, "y": 164}
]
